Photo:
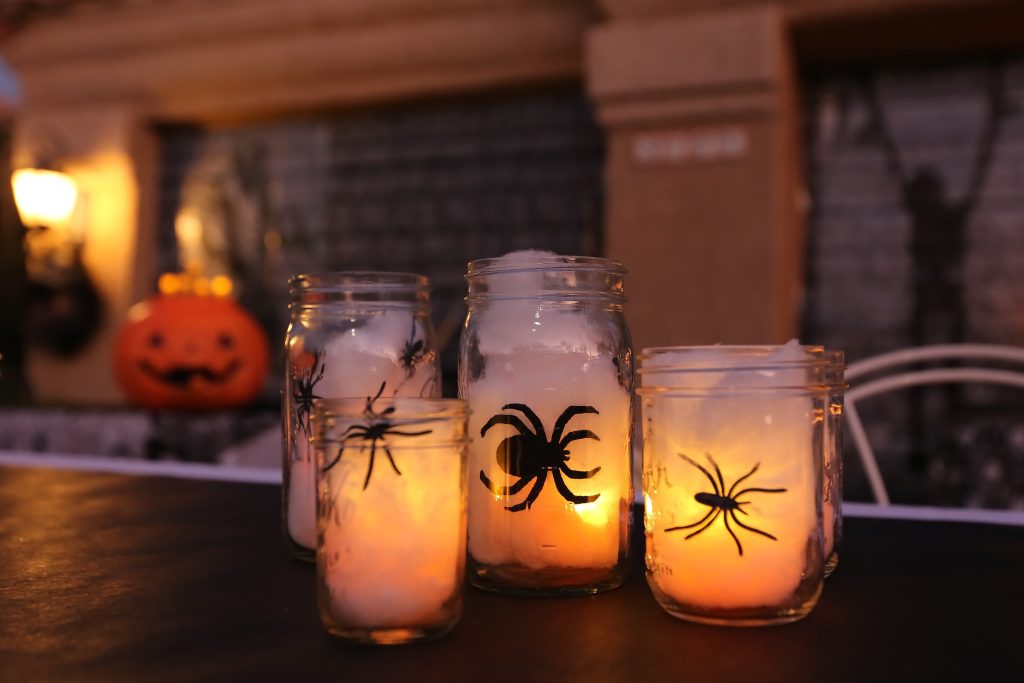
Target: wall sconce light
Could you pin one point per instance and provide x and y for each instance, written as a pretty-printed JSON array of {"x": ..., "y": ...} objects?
[{"x": 63, "y": 309}]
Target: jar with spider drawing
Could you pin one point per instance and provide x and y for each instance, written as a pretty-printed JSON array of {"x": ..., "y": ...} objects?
[
  {"x": 391, "y": 516},
  {"x": 733, "y": 460},
  {"x": 351, "y": 334},
  {"x": 546, "y": 365}
]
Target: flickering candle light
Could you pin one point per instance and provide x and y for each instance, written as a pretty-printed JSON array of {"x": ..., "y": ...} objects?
[
  {"x": 546, "y": 367},
  {"x": 351, "y": 334},
  {"x": 391, "y": 517},
  {"x": 733, "y": 459}
]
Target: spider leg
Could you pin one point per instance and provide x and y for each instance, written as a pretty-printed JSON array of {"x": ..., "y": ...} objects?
[
  {"x": 512, "y": 420},
  {"x": 740, "y": 493},
  {"x": 578, "y": 474},
  {"x": 379, "y": 392},
  {"x": 569, "y": 495},
  {"x": 707, "y": 474},
  {"x": 538, "y": 426},
  {"x": 391, "y": 458},
  {"x": 336, "y": 459},
  {"x": 711, "y": 521},
  {"x": 737, "y": 482},
  {"x": 729, "y": 529},
  {"x": 505, "y": 490},
  {"x": 711, "y": 511},
  {"x": 567, "y": 415},
  {"x": 579, "y": 434},
  {"x": 718, "y": 471},
  {"x": 750, "y": 528},
  {"x": 369, "y": 470},
  {"x": 534, "y": 492},
  {"x": 353, "y": 428},
  {"x": 421, "y": 433}
]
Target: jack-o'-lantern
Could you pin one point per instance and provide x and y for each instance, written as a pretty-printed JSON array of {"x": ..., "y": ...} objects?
[{"x": 190, "y": 351}]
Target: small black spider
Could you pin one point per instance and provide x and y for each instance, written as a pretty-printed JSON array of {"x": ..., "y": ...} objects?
[
  {"x": 302, "y": 392},
  {"x": 376, "y": 428},
  {"x": 529, "y": 455},
  {"x": 412, "y": 353},
  {"x": 721, "y": 500}
]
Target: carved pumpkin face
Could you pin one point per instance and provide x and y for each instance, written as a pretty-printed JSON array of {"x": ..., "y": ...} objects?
[{"x": 186, "y": 351}]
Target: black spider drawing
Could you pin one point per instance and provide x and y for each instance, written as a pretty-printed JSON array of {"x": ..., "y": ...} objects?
[
  {"x": 376, "y": 428},
  {"x": 529, "y": 455},
  {"x": 302, "y": 392},
  {"x": 721, "y": 500},
  {"x": 412, "y": 353}
]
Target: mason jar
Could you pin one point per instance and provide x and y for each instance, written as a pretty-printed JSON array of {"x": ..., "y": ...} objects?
[
  {"x": 734, "y": 453},
  {"x": 351, "y": 334},
  {"x": 832, "y": 493},
  {"x": 546, "y": 365},
  {"x": 391, "y": 510}
]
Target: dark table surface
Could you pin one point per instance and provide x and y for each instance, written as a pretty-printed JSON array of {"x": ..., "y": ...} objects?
[{"x": 107, "y": 577}]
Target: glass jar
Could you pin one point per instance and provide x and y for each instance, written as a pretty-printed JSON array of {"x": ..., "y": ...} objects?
[
  {"x": 734, "y": 448},
  {"x": 545, "y": 363},
  {"x": 391, "y": 517},
  {"x": 351, "y": 334},
  {"x": 832, "y": 494}
]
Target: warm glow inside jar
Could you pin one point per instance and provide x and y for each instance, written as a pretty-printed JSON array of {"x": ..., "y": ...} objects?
[
  {"x": 391, "y": 517},
  {"x": 351, "y": 334},
  {"x": 734, "y": 452},
  {"x": 546, "y": 366}
]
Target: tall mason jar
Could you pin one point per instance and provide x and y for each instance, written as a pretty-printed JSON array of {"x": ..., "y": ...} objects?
[
  {"x": 352, "y": 334},
  {"x": 546, "y": 366}
]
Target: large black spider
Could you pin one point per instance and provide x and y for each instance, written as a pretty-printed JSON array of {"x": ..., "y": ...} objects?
[
  {"x": 302, "y": 392},
  {"x": 376, "y": 428},
  {"x": 721, "y": 500},
  {"x": 412, "y": 353},
  {"x": 529, "y": 455}
]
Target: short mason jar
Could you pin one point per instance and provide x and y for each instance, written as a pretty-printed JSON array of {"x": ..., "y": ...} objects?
[
  {"x": 832, "y": 494},
  {"x": 546, "y": 365},
  {"x": 734, "y": 452},
  {"x": 351, "y": 334},
  {"x": 391, "y": 517}
]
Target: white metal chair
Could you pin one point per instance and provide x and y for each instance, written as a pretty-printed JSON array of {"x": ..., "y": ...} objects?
[{"x": 978, "y": 354}]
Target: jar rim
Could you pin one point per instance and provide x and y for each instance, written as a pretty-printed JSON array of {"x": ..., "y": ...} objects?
[
  {"x": 427, "y": 408},
  {"x": 428, "y": 411},
  {"x": 358, "y": 281},
  {"x": 745, "y": 358},
  {"x": 543, "y": 262}
]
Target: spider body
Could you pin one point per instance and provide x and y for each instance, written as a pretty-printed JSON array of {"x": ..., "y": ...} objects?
[
  {"x": 377, "y": 427},
  {"x": 724, "y": 503},
  {"x": 303, "y": 395},
  {"x": 412, "y": 353},
  {"x": 715, "y": 501},
  {"x": 530, "y": 456}
]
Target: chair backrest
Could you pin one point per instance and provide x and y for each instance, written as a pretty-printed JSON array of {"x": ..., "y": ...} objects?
[{"x": 891, "y": 378}]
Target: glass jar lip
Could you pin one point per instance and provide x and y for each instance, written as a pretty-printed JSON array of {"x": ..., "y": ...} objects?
[
  {"x": 744, "y": 358},
  {"x": 754, "y": 361},
  {"x": 350, "y": 411},
  {"x": 358, "y": 281},
  {"x": 543, "y": 262},
  {"x": 426, "y": 408}
]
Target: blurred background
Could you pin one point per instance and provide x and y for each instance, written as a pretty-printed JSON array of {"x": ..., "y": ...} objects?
[{"x": 848, "y": 172}]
